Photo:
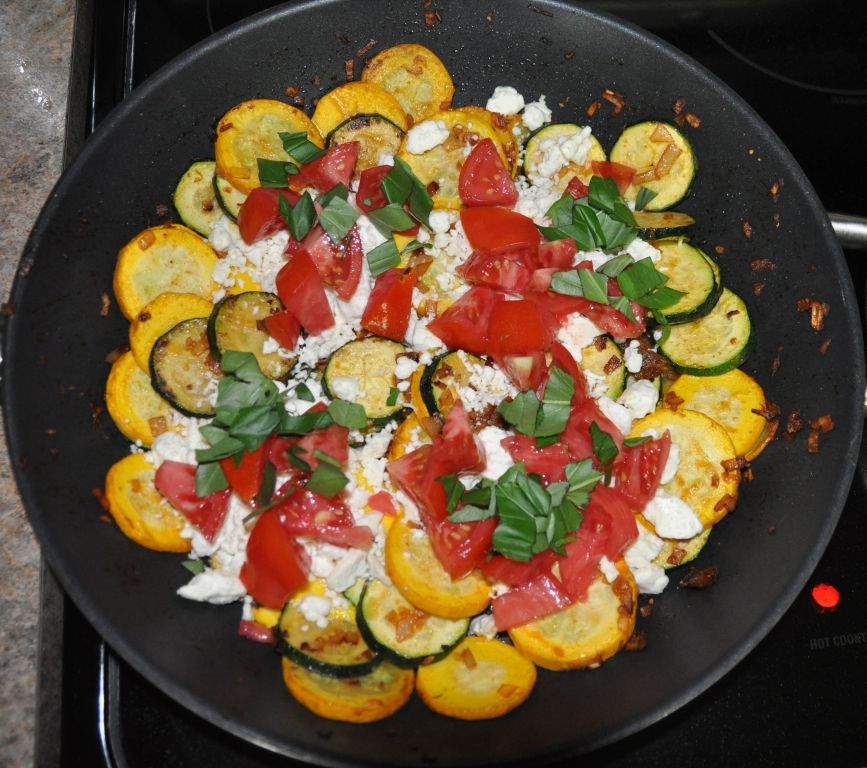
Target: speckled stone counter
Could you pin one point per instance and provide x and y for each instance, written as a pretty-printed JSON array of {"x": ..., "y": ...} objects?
[{"x": 35, "y": 48}]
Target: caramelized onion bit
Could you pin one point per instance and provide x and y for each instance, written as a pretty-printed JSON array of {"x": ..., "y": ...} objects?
[
  {"x": 700, "y": 579},
  {"x": 667, "y": 160}
]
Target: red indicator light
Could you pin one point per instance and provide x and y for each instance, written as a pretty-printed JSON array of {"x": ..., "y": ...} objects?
[{"x": 825, "y": 596}]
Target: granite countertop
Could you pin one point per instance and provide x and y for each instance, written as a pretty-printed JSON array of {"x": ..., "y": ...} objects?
[{"x": 34, "y": 79}]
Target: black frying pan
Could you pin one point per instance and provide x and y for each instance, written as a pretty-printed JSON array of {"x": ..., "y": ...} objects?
[{"x": 57, "y": 342}]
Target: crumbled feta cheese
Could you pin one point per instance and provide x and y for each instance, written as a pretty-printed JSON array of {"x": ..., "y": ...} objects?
[
  {"x": 618, "y": 414},
  {"x": 345, "y": 387},
  {"x": 385, "y": 158},
  {"x": 640, "y": 397},
  {"x": 212, "y": 586},
  {"x": 632, "y": 357},
  {"x": 425, "y": 136},
  {"x": 559, "y": 151},
  {"x": 405, "y": 367},
  {"x": 505, "y": 100},
  {"x": 351, "y": 567},
  {"x": 369, "y": 235},
  {"x": 597, "y": 385},
  {"x": 672, "y": 517},
  {"x": 671, "y": 464},
  {"x": 483, "y": 626},
  {"x": 639, "y": 249},
  {"x": 315, "y": 610},
  {"x": 609, "y": 570},
  {"x": 535, "y": 200},
  {"x": 440, "y": 221},
  {"x": 296, "y": 406},
  {"x": 577, "y": 333},
  {"x": 420, "y": 338},
  {"x": 536, "y": 114},
  {"x": 497, "y": 458},
  {"x": 170, "y": 446},
  {"x": 650, "y": 578},
  {"x": 486, "y": 385}
]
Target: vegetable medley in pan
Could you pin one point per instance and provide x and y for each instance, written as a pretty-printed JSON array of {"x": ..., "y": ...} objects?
[{"x": 433, "y": 393}]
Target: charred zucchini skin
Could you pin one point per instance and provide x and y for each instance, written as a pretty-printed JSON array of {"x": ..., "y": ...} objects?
[
  {"x": 234, "y": 325},
  {"x": 432, "y": 642},
  {"x": 195, "y": 197},
  {"x": 653, "y": 225},
  {"x": 376, "y": 134},
  {"x": 229, "y": 198},
  {"x": 182, "y": 368},
  {"x": 337, "y": 650},
  {"x": 443, "y": 370},
  {"x": 691, "y": 271}
]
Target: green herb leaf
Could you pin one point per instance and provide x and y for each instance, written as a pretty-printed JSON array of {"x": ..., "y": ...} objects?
[
  {"x": 556, "y": 403},
  {"x": 521, "y": 411},
  {"x": 644, "y": 196},
  {"x": 322, "y": 456},
  {"x": 302, "y": 392},
  {"x": 194, "y": 566},
  {"x": 269, "y": 483},
  {"x": 210, "y": 478},
  {"x": 383, "y": 257},
  {"x": 602, "y": 194},
  {"x": 604, "y": 447},
  {"x": 582, "y": 479},
  {"x": 300, "y": 147},
  {"x": 641, "y": 278},
  {"x": 346, "y": 414},
  {"x": 294, "y": 458},
  {"x": 393, "y": 394},
  {"x": 339, "y": 190},
  {"x": 568, "y": 283},
  {"x": 515, "y": 534},
  {"x": 661, "y": 298},
  {"x": 616, "y": 265},
  {"x": 327, "y": 480},
  {"x": 222, "y": 449},
  {"x": 420, "y": 201},
  {"x": 275, "y": 173},
  {"x": 631, "y": 442},
  {"x": 560, "y": 212},
  {"x": 390, "y": 218},
  {"x": 454, "y": 490},
  {"x": 397, "y": 184},
  {"x": 337, "y": 218},
  {"x": 470, "y": 513},
  {"x": 594, "y": 285},
  {"x": 299, "y": 217},
  {"x": 622, "y": 305},
  {"x": 615, "y": 234},
  {"x": 543, "y": 442},
  {"x": 304, "y": 423}
]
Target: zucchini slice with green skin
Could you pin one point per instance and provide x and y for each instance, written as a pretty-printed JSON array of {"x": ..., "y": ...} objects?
[
  {"x": 689, "y": 271},
  {"x": 663, "y": 160},
  {"x": 401, "y": 632},
  {"x": 713, "y": 344},
  {"x": 653, "y": 225},
  {"x": 195, "y": 197},
  {"x": 606, "y": 362},
  {"x": 229, "y": 198},
  {"x": 353, "y": 594},
  {"x": 236, "y": 324},
  {"x": 183, "y": 370},
  {"x": 552, "y": 150},
  {"x": 675, "y": 552},
  {"x": 375, "y": 134},
  {"x": 362, "y": 372},
  {"x": 443, "y": 379},
  {"x": 337, "y": 649}
]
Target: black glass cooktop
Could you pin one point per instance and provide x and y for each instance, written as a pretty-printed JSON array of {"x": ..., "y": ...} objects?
[{"x": 799, "y": 698}]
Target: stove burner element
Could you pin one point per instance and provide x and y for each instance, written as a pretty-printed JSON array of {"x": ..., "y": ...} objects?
[{"x": 826, "y": 596}]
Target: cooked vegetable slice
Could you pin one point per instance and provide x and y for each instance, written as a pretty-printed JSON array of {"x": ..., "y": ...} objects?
[
  {"x": 422, "y": 580},
  {"x": 377, "y": 135},
  {"x": 713, "y": 344},
  {"x": 675, "y": 552},
  {"x": 236, "y": 324},
  {"x": 587, "y": 632},
  {"x": 409, "y": 435},
  {"x": 510, "y": 130},
  {"x": 362, "y": 371},
  {"x": 657, "y": 224},
  {"x": 479, "y": 680},
  {"x": 195, "y": 197},
  {"x": 183, "y": 370},
  {"x": 160, "y": 315},
  {"x": 662, "y": 158},
  {"x": 138, "y": 508},
  {"x": 354, "y": 699},
  {"x": 415, "y": 76},
  {"x": 356, "y": 98},
  {"x": 731, "y": 399},
  {"x": 166, "y": 259},
  {"x": 689, "y": 271},
  {"x": 443, "y": 379},
  {"x": 701, "y": 481},
  {"x": 133, "y": 404},
  {"x": 439, "y": 168},
  {"x": 249, "y": 131},
  {"x": 229, "y": 198},
  {"x": 336, "y": 649},
  {"x": 606, "y": 360},
  {"x": 353, "y": 594},
  {"x": 401, "y": 632},
  {"x": 557, "y": 149}
]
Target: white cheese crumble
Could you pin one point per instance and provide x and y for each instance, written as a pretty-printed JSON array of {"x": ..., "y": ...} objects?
[
  {"x": 497, "y": 458},
  {"x": 315, "y": 610},
  {"x": 506, "y": 100},
  {"x": 632, "y": 357},
  {"x": 536, "y": 114},
  {"x": 483, "y": 626},
  {"x": 618, "y": 414},
  {"x": 640, "y": 397},
  {"x": 577, "y": 333},
  {"x": 345, "y": 387},
  {"x": 609, "y": 570},
  {"x": 425, "y": 136},
  {"x": 640, "y": 249},
  {"x": 650, "y": 578},
  {"x": 672, "y": 517},
  {"x": 559, "y": 151}
]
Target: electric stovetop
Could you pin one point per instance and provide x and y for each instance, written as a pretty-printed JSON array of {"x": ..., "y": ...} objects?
[{"x": 800, "y": 697}]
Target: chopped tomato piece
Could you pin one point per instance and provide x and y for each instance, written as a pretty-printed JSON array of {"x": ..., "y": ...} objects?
[
  {"x": 484, "y": 179},
  {"x": 622, "y": 174},
  {"x": 623, "y": 529},
  {"x": 382, "y": 502},
  {"x": 338, "y": 264},
  {"x": 300, "y": 289},
  {"x": 496, "y": 270},
  {"x": 177, "y": 482},
  {"x": 557, "y": 253},
  {"x": 408, "y": 471},
  {"x": 276, "y": 566},
  {"x": 255, "y": 631},
  {"x": 526, "y": 371},
  {"x": 306, "y": 513},
  {"x": 457, "y": 441},
  {"x": 259, "y": 215},
  {"x": 577, "y": 188},
  {"x": 562, "y": 358},
  {"x": 577, "y": 432},
  {"x": 245, "y": 477},
  {"x": 580, "y": 567},
  {"x": 389, "y": 305},
  {"x": 518, "y": 327},
  {"x": 461, "y": 547},
  {"x": 514, "y": 572},
  {"x": 284, "y": 328},
  {"x": 638, "y": 469},
  {"x": 464, "y": 325},
  {"x": 490, "y": 228},
  {"x": 539, "y": 597},
  {"x": 333, "y": 441},
  {"x": 549, "y": 462},
  {"x": 604, "y": 315},
  {"x": 328, "y": 170},
  {"x": 370, "y": 195}
]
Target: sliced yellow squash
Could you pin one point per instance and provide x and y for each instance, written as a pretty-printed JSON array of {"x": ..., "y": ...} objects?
[
  {"x": 510, "y": 130},
  {"x": 138, "y": 508},
  {"x": 158, "y": 316},
  {"x": 356, "y": 98},
  {"x": 730, "y": 399},
  {"x": 676, "y": 552},
  {"x": 133, "y": 404},
  {"x": 407, "y": 436},
  {"x": 439, "y": 168},
  {"x": 164, "y": 259},
  {"x": 249, "y": 131},
  {"x": 480, "y": 679},
  {"x": 415, "y": 76},
  {"x": 351, "y": 699},
  {"x": 586, "y": 633},
  {"x": 701, "y": 480},
  {"x": 422, "y": 580}
]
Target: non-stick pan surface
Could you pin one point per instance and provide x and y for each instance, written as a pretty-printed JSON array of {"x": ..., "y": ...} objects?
[{"x": 57, "y": 343}]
